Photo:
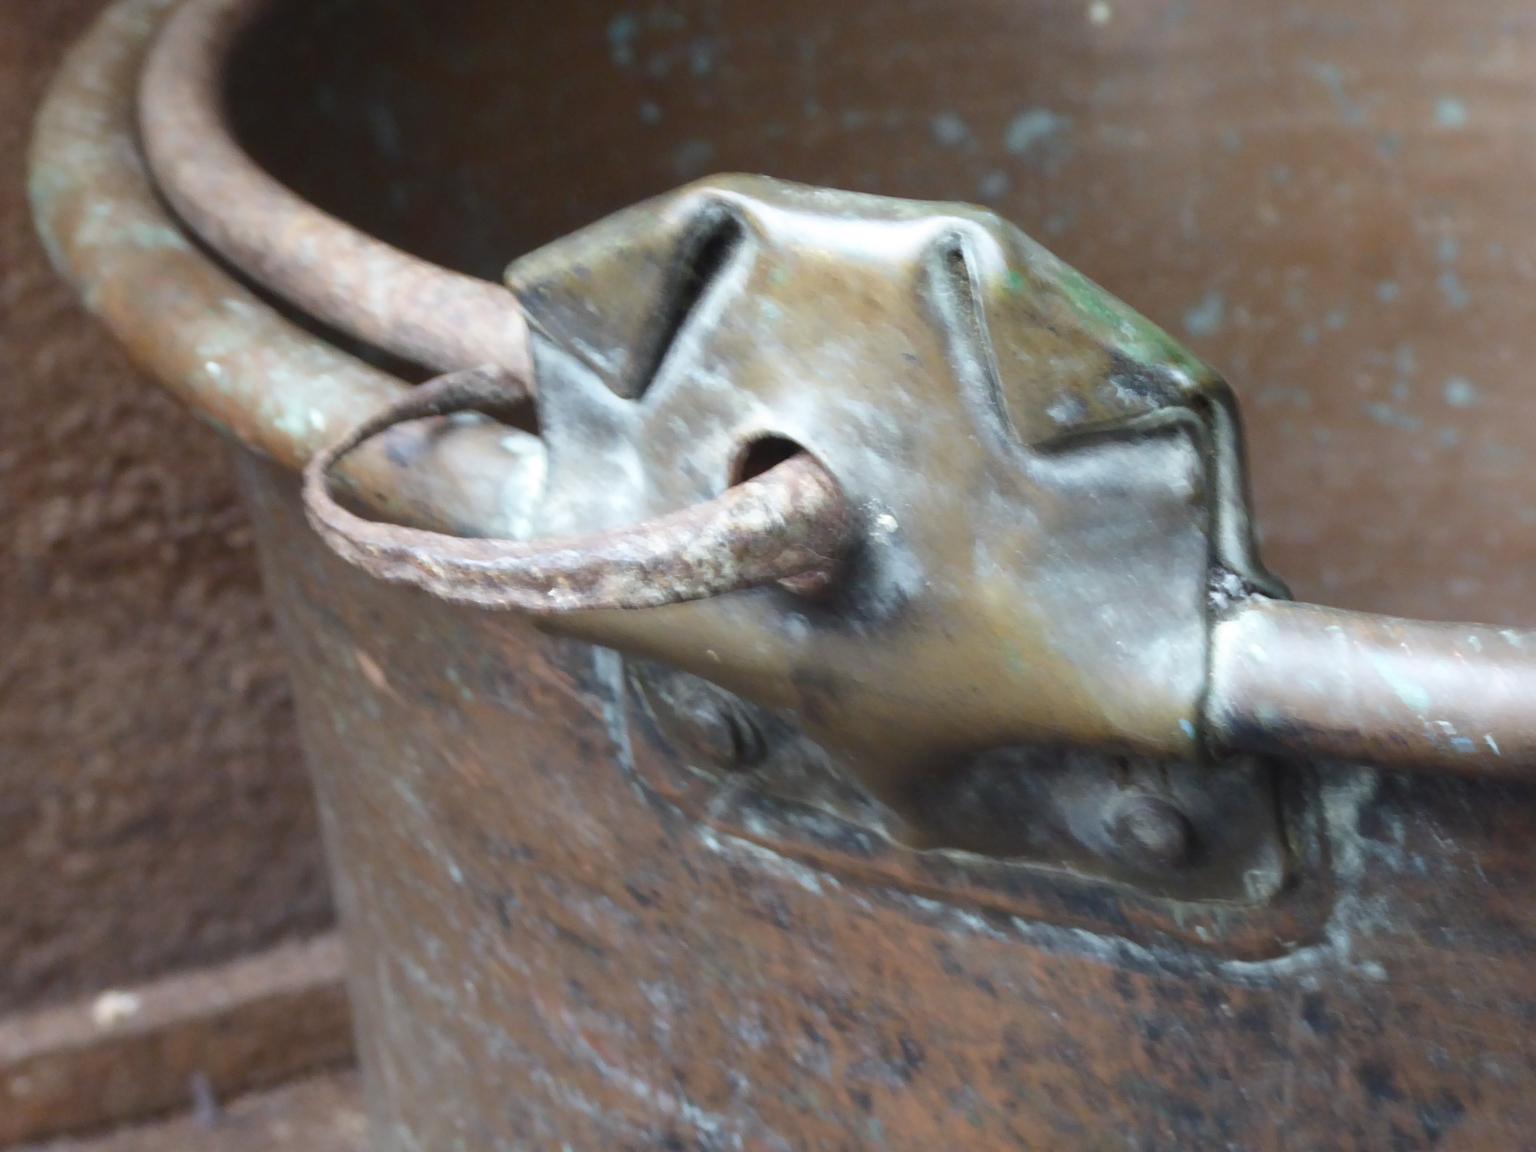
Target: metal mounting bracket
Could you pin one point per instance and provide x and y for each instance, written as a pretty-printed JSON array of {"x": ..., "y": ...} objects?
[{"x": 893, "y": 478}]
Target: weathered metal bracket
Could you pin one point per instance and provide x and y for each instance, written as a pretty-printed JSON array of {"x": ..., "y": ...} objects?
[
  {"x": 1039, "y": 498},
  {"x": 1179, "y": 829},
  {"x": 972, "y": 529},
  {"x": 1225, "y": 861},
  {"x": 1047, "y": 493},
  {"x": 1045, "y": 490},
  {"x": 1057, "y": 360}
]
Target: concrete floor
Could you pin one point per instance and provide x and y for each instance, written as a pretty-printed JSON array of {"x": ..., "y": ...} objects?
[{"x": 323, "y": 1114}]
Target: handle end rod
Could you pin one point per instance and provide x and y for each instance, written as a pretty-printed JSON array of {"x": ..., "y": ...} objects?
[{"x": 1298, "y": 679}]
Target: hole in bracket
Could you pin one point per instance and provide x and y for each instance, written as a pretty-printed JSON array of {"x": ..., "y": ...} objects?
[
  {"x": 757, "y": 457},
  {"x": 762, "y": 455}
]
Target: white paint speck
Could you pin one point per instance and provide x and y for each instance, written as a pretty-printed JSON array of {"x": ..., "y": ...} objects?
[
  {"x": 1100, "y": 13},
  {"x": 1459, "y": 392},
  {"x": 1207, "y": 316},
  {"x": 994, "y": 185},
  {"x": 112, "y": 1008},
  {"x": 1030, "y": 129},
  {"x": 949, "y": 130},
  {"x": 1450, "y": 113}
]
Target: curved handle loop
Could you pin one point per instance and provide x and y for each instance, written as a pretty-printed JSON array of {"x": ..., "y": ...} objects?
[{"x": 789, "y": 522}]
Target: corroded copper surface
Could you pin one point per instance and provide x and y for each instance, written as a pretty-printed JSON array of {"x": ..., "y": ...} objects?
[
  {"x": 1039, "y": 496},
  {"x": 562, "y": 944},
  {"x": 240, "y": 364},
  {"x": 616, "y": 304},
  {"x": 1040, "y": 482},
  {"x": 557, "y": 954}
]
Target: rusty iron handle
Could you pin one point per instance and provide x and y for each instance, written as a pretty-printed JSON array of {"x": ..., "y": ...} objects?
[
  {"x": 363, "y": 286},
  {"x": 788, "y": 523}
]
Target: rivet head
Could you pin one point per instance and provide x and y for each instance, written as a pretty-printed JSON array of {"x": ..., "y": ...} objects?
[{"x": 1151, "y": 832}]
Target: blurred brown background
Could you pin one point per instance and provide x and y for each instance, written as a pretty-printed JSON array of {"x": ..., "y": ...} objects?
[{"x": 153, "y": 809}]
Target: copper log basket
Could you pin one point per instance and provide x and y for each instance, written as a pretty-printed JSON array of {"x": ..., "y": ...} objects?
[{"x": 835, "y": 539}]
